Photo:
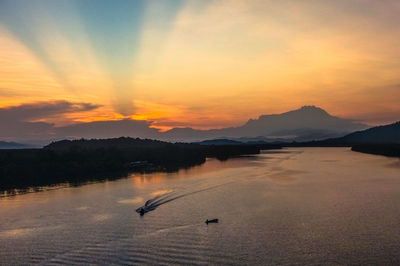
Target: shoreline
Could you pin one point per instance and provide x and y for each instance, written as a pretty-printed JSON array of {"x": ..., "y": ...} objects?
[{"x": 80, "y": 161}]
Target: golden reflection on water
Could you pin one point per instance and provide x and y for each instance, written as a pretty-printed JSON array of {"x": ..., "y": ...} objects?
[
  {"x": 160, "y": 192},
  {"x": 16, "y": 232},
  {"x": 16, "y": 192},
  {"x": 101, "y": 217},
  {"x": 22, "y": 232},
  {"x": 211, "y": 165},
  {"x": 136, "y": 200},
  {"x": 143, "y": 179}
]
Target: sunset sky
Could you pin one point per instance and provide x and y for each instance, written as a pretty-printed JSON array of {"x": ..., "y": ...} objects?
[{"x": 202, "y": 64}]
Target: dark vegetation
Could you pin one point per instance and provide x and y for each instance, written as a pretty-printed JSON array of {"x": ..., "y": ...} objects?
[
  {"x": 381, "y": 140},
  {"x": 376, "y": 135},
  {"x": 89, "y": 160},
  {"x": 388, "y": 149},
  {"x": 381, "y": 134}
]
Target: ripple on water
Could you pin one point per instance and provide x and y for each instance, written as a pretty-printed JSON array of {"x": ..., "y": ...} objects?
[{"x": 312, "y": 206}]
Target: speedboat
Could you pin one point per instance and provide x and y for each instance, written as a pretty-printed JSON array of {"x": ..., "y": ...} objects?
[
  {"x": 141, "y": 211},
  {"x": 211, "y": 221}
]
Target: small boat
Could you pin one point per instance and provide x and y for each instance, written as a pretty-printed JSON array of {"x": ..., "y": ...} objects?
[
  {"x": 141, "y": 211},
  {"x": 211, "y": 221}
]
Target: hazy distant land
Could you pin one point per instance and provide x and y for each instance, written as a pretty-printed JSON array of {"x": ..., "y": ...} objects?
[
  {"x": 304, "y": 124},
  {"x": 83, "y": 160}
]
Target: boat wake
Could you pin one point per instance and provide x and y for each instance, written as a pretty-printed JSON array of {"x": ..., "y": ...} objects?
[{"x": 157, "y": 201}]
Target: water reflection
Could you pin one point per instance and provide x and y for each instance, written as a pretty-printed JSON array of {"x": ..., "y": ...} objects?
[
  {"x": 285, "y": 176},
  {"x": 101, "y": 217},
  {"x": 143, "y": 178},
  {"x": 136, "y": 200},
  {"x": 296, "y": 206},
  {"x": 394, "y": 164},
  {"x": 160, "y": 192},
  {"x": 26, "y": 232}
]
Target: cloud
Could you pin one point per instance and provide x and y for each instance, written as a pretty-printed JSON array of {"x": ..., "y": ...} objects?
[
  {"x": 21, "y": 122},
  {"x": 39, "y": 110},
  {"x": 108, "y": 129},
  {"x": 33, "y": 123}
]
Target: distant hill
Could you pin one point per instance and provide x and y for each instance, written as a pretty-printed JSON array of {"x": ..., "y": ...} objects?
[
  {"x": 304, "y": 124},
  {"x": 123, "y": 143},
  {"x": 383, "y": 140},
  {"x": 220, "y": 142},
  {"x": 13, "y": 145},
  {"x": 375, "y": 135},
  {"x": 385, "y": 149},
  {"x": 388, "y": 134},
  {"x": 381, "y": 134}
]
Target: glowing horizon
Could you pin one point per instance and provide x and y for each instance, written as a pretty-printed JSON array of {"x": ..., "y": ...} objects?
[{"x": 201, "y": 64}]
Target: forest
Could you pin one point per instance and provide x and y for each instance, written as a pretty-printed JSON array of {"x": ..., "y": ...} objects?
[{"x": 77, "y": 161}]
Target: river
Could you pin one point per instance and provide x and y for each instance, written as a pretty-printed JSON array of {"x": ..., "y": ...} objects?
[{"x": 290, "y": 206}]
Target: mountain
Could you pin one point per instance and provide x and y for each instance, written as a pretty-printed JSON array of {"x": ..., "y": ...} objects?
[
  {"x": 382, "y": 140},
  {"x": 304, "y": 124},
  {"x": 220, "y": 142},
  {"x": 13, "y": 145}
]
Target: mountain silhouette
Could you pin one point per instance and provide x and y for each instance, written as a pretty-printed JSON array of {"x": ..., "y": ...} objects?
[
  {"x": 304, "y": 124},
  {"x": 220, "y": 142},
  {"x": 375, "y": 135},
  {"x": 381, "y": 140},
  {"x": 13, "y": 145}
]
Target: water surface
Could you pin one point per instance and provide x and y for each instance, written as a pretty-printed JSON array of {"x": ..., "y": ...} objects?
[{"x": 294, "y": 206}]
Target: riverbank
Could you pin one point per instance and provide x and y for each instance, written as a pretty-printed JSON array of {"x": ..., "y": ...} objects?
[
  {"x": 387, "y": 149},
  {"x": 91, "y": 160}
]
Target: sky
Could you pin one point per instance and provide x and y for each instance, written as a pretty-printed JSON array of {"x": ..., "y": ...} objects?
[{"x": 202, "y": 64}]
